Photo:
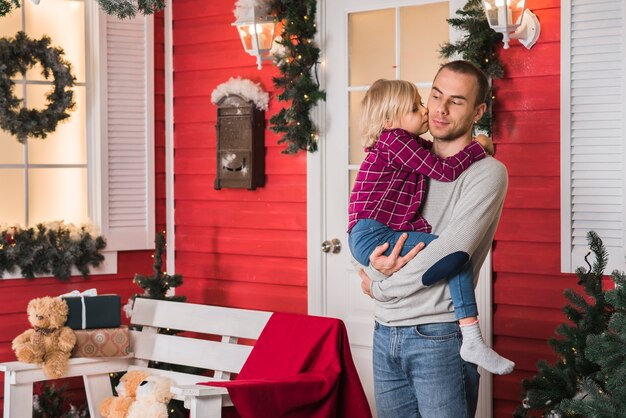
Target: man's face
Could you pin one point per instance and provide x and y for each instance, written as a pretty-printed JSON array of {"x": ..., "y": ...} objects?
[{"x": 451, "y": 105}]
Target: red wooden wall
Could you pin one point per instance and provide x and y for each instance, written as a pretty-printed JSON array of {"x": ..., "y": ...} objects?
[
  {"x": 528, "y": 286},
  {"x": 247, "y": 249},
  {"x": 234, "y": 247},
  {"x": 15, "y": 293}
]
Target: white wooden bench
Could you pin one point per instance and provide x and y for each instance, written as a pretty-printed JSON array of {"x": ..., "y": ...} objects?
[{"x": 224, "y": 357}]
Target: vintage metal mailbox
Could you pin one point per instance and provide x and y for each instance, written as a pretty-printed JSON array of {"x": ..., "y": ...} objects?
[{"x": 240, "y": 144}]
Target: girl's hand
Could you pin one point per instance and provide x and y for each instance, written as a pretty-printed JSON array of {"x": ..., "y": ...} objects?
[{"x": 486, "y": 143}]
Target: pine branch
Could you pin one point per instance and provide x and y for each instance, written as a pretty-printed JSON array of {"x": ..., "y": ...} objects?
[
  {"x": 297, "y": 64},
  {"x": 554, "y": 387}
]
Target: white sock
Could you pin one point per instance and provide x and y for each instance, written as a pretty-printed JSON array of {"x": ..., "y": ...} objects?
[{"x": 476, "y": 351}]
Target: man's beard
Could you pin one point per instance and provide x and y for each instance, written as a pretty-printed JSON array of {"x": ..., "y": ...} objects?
[{"x": 455, "y": 134}]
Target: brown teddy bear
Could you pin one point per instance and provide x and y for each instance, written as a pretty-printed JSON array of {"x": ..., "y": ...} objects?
[
  {"x": 49, "y": 342},
  {"x": 117, "y": 406}
]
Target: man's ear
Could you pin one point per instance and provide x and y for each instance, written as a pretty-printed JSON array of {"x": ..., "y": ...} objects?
[{"x": 480, "y": 111}]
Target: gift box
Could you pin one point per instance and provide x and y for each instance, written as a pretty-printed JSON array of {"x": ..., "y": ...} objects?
[
  {"x": 102, "y": 311},
  {"x": 105, "y": 342}
]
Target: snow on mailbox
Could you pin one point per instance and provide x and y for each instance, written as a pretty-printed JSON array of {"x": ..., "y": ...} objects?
[{"x": 241, "y": 106}]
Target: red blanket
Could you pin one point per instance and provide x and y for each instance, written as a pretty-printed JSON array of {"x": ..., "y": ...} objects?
[{"x": 301, "y": 366}]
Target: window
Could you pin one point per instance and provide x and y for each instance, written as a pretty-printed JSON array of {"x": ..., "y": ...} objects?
[
  {"x": 98, "y": 165},
  {"x": 47, "y": 179},
  {"x": 593, "y": 112}
]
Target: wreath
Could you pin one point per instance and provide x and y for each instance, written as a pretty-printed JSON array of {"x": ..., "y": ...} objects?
[{"x": 18, "y": 55}]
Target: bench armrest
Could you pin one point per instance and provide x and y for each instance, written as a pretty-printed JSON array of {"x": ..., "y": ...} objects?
[
  {"x": 198, "y": 390},
  {"x": 202, "y": 401}
]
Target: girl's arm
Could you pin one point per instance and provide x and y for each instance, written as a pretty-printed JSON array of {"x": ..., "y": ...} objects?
[{"x": 407, "y": 153}]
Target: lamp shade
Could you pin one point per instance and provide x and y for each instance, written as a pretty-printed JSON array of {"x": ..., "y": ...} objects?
[
  {"x": 257, "y": 34},
  {"x": 504, "y": 16}
]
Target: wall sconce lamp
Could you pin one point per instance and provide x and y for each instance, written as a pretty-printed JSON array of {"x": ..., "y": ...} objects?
[
  {"x": 256, "y": 31},
  {"x": 502, "y": 13}
]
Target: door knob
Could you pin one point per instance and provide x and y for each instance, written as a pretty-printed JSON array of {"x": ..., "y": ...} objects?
[{"x": 332, "y": 246}]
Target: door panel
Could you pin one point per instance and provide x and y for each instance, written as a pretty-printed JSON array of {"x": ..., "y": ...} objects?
[{"x": 365, "y": 40}]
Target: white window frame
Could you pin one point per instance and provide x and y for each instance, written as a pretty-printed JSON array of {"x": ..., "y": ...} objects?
[
  {"x": 123, "y": 232},
  {"x": 593, "y": 172}
]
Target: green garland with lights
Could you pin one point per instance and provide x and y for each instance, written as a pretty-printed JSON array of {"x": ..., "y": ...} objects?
[
  {"x": 50, "y": 249},
  {"x": 298, "y": 81},
  {"x": 127, "y": 9},
  {"x": 479, "y": 46},
  {"x": 7, "y": 5},
  {"x": 17, "y": 55},
  {"x": 123, "y": 9}
]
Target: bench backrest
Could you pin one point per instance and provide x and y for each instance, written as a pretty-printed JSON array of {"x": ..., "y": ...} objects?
[{"x": 194, "y": 349}]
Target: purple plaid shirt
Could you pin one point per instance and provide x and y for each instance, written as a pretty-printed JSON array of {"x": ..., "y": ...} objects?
[{"x": 391, "y": 183}]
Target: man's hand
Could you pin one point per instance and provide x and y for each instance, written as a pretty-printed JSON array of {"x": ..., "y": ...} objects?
[
  {"x": 392, "y": 263},
  {"x": 366, "y": 283}
]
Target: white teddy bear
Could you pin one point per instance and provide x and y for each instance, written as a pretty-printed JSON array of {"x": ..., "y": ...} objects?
[{"x": 152, "y": 397}]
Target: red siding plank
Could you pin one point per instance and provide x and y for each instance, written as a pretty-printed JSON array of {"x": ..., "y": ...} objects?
[
  {"x": 278, "y": 188},
  {"x": 527, "y": 93},
  {"x": 527, "y": 322},
  {"x": 535, "y": 290},
  {"x": 259, "y": 242},
  {"x": 253, "y": 269},
  {"x": 533, "y": 193},
  {"x": 524, "y": 159},
  {"x": 525, "y": 352},
  {"x": 516, "y": 127},
  {"x": 541, "y": 60},
  {"x": 522, "y": 257},
  {"x": 251, "y": 215},
  {"x": 531, "y": 225},
  {"x": 249, "y": 296}
]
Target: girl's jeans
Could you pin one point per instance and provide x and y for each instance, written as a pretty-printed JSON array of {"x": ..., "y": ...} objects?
[
  {"x": 419, "y": 373},
  {"x": 368, "y": 234}
]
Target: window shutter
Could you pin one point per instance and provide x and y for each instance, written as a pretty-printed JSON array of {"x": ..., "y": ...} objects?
[
  {"x": 593, "y": 112},
  {"x": 128, "y": 115}
]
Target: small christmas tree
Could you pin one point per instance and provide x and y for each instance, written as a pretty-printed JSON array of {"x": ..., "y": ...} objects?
[
  {"x": 52, "y": 402},
  {"x": 606, "y": 391},
  {"x": 556, "y": 383},
  {"x": 158, "y": 285},
  {"x": 479, "y": 46}
]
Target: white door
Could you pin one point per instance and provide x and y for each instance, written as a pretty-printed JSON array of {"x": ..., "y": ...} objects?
[{"x": 362, "y": 41}]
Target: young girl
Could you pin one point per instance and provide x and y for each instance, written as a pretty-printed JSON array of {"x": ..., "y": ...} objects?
[{"x": 390, "y": 188}]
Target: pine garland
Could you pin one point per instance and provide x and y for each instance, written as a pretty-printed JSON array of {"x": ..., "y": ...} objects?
[
  {"x": 7, "y": 5},
  {"x": 298, "y": 65},
  {"x": 127, "y": 9},
  {"x": 49, "y": 249},
  {"x": 157, "y": 285},
  {"x": 17, "y": 55},
  {"x": 478, "y": 46}
]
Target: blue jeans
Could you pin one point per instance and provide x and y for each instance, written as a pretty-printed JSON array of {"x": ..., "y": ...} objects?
[
  {"x": 419, "y": 373},
  {"x": 368, "y": 234}
]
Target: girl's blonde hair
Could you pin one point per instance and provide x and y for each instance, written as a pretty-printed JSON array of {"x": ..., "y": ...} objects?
[{"x": 384, "y": 105}]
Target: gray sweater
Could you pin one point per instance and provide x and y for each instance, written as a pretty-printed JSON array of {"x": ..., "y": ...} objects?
[{"x": 465, "y": 215}]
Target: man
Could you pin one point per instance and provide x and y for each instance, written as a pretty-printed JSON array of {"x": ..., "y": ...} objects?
[{"x": 418, "y": 371}]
